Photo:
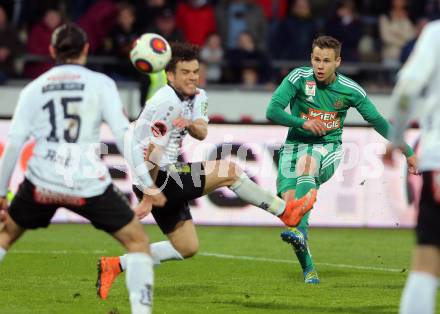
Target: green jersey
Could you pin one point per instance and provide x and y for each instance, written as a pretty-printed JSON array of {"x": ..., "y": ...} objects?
[{"x": 309, "y": 99}]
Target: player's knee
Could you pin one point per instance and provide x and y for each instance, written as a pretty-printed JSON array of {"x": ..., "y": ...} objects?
[{"x": 189, "y": 249}]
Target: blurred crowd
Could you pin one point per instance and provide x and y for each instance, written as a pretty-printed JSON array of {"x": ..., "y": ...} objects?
[{"x": 248, "y": 42}]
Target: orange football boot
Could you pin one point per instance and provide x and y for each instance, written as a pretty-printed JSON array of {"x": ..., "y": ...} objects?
[
  {"x": 108, "y": 269},
  {"x": 296, "y": 209}
]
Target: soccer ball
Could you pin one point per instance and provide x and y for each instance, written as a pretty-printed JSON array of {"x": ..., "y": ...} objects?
[{"x": 150, "y": 53}]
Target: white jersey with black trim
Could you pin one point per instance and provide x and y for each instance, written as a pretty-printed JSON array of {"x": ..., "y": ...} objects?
[
  {"x": 62, "y": 110},
  {"x": 422, "y": 71},
  {"x": 160, "y": 110}
]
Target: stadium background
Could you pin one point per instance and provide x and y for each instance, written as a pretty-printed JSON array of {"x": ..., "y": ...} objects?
[{"x": 247, "y": 47}]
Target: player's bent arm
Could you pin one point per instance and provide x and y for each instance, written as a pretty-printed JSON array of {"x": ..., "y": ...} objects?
[
  {"x": 8, "y": 161},
  {"x": 149, "y": 130},
  {"x": 153, "y": 196},
  {"x": 279, "y": 101},
  {"x": 384, "y": 128},
  {"x": 134, "y": 146},
  {"x": 18, "y": 134},
  {"x": 370, "y": 114},
  {"x": 198, "y": 129},
  {"x": 276, "y": 114},
  {"x": 152, "y": 156}
]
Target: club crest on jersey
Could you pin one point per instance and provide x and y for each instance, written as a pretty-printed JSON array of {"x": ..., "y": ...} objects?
[
  {"x": 159, "y": 128},
  {"x": 338, "y": 104},
  {"x": 310, "y": 88}
]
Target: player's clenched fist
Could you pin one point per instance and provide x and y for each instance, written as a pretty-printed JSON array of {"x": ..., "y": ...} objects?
[{"x": 315, "y": 126}]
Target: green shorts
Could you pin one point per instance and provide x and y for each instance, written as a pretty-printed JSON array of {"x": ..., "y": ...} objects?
[{"x": 327, "y": 156}]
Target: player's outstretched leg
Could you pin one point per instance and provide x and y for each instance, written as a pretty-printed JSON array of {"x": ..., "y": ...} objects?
[{"x": 220, "y": 173}]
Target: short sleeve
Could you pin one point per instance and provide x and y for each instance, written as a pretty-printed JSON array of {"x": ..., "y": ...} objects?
[{"x": 200, "y": 109}]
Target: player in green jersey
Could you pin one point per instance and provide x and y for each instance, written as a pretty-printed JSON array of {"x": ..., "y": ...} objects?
[{"x": 318, "y": 98}]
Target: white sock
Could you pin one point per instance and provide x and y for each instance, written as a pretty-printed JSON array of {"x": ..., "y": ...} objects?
[
  {"x": 419, "y": 295},
  {"x": 250, "y": 192},
  {"x": 2, "y": 253},
  {"x": 139, "y": 279},
  {"x": 160, "y": 252},
  {"x": 164, "y": 251}
]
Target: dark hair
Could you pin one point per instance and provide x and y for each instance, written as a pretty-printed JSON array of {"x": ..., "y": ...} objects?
[
  {"x": 68, "y": 40},
  {"x": 182, "y": 52},
  {"x": 329, "y": 43}
]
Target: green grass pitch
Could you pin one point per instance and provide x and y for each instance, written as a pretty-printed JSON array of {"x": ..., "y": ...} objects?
[{"x": 238, "y": 270}]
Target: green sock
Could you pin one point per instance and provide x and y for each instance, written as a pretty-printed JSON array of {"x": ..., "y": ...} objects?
[
  {"x": 304, "y": 184},
  {"x": 305, "y": 257}
]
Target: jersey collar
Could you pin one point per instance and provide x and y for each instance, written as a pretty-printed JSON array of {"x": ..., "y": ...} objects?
[
  {"x": 180, "y": 95},
  {"x": 322, "y": 85}
]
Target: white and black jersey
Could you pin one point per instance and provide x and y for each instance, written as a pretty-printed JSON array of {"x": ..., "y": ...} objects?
[
  {"x": 422, "y": 71},
  {"x": 156, "y": 120},
  {"x": 62, "y": 110}
]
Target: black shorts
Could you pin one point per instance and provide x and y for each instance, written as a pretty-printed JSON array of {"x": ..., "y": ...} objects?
[
  {"x": 109, "y": 211},
  {"x": 182, "y": 183},
  {"x": 428, "y": 222}
]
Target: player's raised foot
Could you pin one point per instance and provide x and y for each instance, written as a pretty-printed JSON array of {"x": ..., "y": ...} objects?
[
  {"x": 296, "y": 238},
  {"x": 108, "y": 269},
  {"x": 311, "y": 277},
  {"x": 296, "y": 209}
]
